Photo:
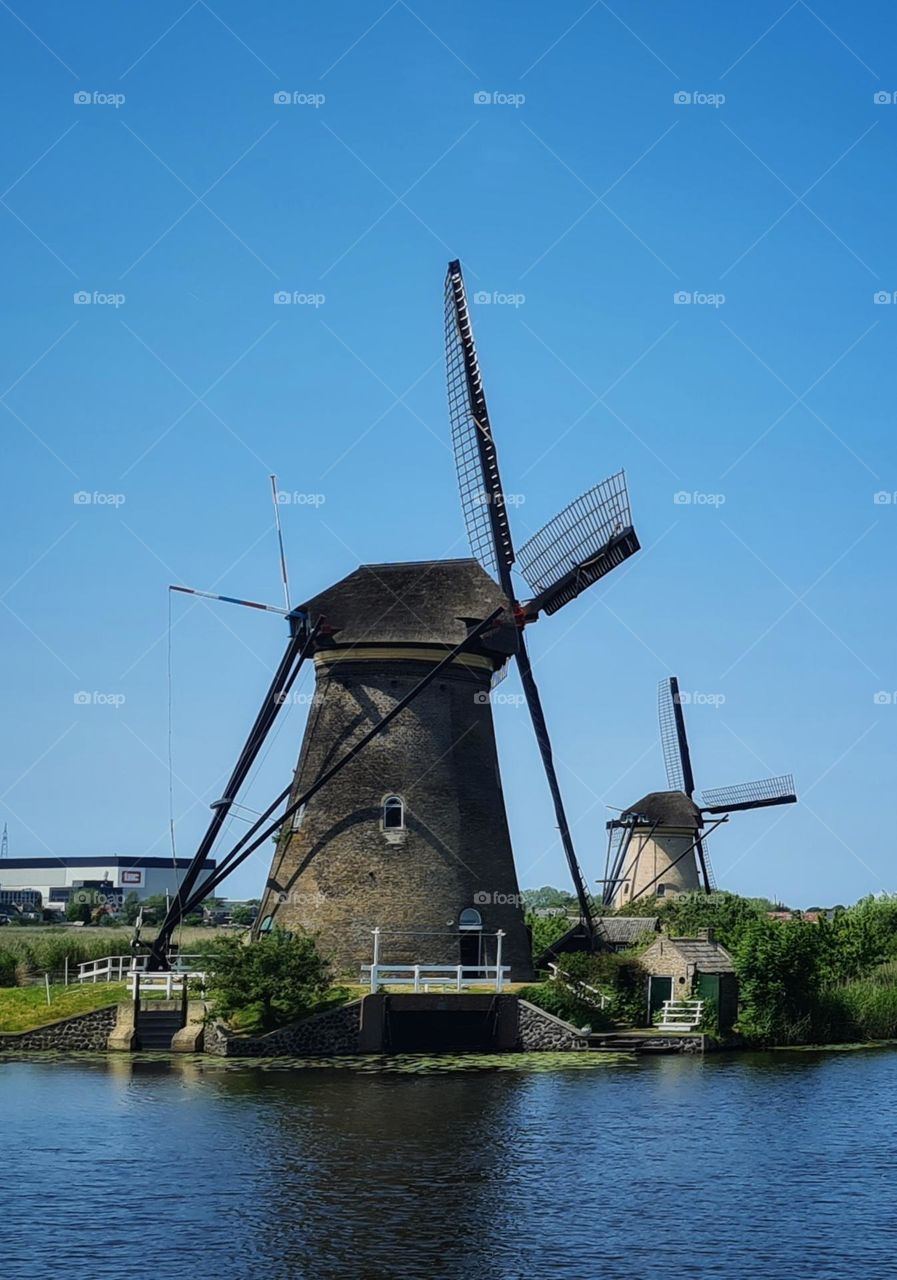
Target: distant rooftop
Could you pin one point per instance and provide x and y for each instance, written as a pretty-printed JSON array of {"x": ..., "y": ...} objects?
[
  {"x": 99, "y": 860},
  {"x": 625, "y": 930}
]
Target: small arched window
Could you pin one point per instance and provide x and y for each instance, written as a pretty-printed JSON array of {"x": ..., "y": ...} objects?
[
  {"x": 470, "y": 918},
  {"x": 393, "y": 813},
  {"x": 266, "y": 925}
]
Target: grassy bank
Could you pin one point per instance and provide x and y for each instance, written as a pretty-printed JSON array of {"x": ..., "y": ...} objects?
[
  {"x": 25, "y": 1008},
  {"x": 25, "y": 952},
  {"x": 862, "y": 1010}
]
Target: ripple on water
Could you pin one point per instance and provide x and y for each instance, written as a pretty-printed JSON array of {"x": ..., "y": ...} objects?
[{"x": 483, "y": 1167}]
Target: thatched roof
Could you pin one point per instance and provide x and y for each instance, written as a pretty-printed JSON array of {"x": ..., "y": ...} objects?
[
  {"x": 420, "y": 602},
  {"x": 667, "y": 808},
  {"x": 620, "y": 931}
]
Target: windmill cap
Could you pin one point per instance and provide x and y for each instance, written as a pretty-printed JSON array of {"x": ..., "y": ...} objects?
[
  {"x": 666, "y": 809},
  {"x": 417, "y": 602}
]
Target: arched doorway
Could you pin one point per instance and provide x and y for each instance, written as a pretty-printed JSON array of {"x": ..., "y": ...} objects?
[{"x": 470, "y": 944}]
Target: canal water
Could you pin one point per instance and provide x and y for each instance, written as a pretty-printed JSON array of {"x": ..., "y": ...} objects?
[{"x": 776, "y": 1165}]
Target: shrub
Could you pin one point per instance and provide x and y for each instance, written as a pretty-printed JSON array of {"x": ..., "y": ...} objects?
[
  {"x": 7, "y": 969},
  {"x": 558, "y": 999},
  {"x": 617, "y": 975},
  {"x": 546, "y": 930},
  {"x": 272, "y": 982}
]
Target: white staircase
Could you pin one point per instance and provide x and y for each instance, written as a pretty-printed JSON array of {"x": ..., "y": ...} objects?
[{"x": 681, "y": 1015}]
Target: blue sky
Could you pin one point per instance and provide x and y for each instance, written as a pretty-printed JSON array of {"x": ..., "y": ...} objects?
[{"x": 586, "y": 191}]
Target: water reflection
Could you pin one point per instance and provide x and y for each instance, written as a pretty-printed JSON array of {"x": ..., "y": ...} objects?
[{"x": 731, "y": 1165}]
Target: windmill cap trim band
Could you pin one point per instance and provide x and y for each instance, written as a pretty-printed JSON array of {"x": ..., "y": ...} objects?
[{"x": 400, "y": 653}]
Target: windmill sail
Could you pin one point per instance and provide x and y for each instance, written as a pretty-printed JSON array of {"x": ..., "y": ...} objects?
[
  {"x": 585, "y": 541},
  {"x": 482, "y": 498},
  {"x": 676, "y": 754},
  {"x": 537, "y": 715},
  {"x": 751, "y": 795}
]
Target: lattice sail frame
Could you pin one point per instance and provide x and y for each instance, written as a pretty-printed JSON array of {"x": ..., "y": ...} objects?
[
  {"x": 766, "y": 791},
  {"x": 576, "y": 534},
  {"x": 669, "y": 738},
  {"x": 589, "y": 538},
  {"x": 479, "y": 483}
]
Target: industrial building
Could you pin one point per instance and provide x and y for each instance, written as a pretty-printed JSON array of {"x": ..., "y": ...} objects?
[{"x": 56, "y": 879}]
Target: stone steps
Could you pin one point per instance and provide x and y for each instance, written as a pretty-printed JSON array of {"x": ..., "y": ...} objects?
[{"x": 155, "y": 1030}]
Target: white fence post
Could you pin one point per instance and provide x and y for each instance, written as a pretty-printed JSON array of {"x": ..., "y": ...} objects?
[
  {"x": 375, "y": 965},
  {"x": 498, "y": 974}
]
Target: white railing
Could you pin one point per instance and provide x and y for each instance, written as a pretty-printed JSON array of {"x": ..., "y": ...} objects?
[
  {"x": 681, "y": 1015},
  {"x": 118, "y": 968},
  {"x": 421, "y": 977},
  {"x": 592, "y": 994},
  {"x": 109, "y": 968},
  {"x": 168, "y": 984}
]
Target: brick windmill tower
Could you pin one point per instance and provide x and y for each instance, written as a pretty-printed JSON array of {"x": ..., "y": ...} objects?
[{"x": 395, "y": 818}]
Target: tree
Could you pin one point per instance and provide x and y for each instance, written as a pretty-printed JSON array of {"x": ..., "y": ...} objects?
[
  {"x": 781, "y": 966},
  {"x": 155, "y": 906},
  {"x": 245, "y": 913},
  {"x": 548, "y": 896},
  {"x": 82, "y": 904},
  {"x": 546, "y": 930},
  {"x": 131, "y": 907},
  {"x": 274, "y": 981}
]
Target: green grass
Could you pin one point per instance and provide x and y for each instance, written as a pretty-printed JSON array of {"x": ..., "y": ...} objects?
[
  {"x": 25, "y": 1008},
  {"x": 37, "y": 950}
]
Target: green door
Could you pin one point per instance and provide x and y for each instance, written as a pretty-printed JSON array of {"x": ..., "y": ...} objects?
[
  {"x": 707, "y": 988},
  {"x": 659, "y": 989}
]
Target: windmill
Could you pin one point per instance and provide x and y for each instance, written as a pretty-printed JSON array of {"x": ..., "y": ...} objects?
[
  {"x": 395, "y": 817},
  {"x": 659, "y": 845},
  {"x": 589, "y": 538}
]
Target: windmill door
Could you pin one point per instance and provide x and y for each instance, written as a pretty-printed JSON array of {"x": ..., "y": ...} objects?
[{"x": 659, "y": 989}]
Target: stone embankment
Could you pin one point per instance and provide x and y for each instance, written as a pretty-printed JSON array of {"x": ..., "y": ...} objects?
[{"x": 83, "y": 1031}]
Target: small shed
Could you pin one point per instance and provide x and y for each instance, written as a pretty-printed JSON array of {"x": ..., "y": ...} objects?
[
  {"x": 619, "y": 933},
  {"x": 679, "y": 968}
]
